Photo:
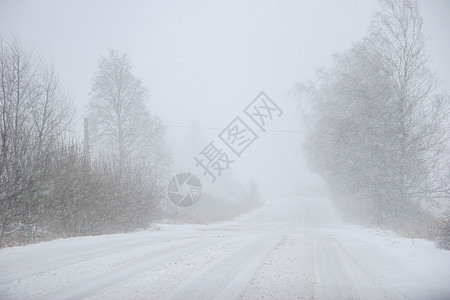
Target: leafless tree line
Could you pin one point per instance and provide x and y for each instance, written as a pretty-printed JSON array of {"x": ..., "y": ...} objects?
[
  {"x": 379, "y": 126},
  {"x": 50, "y": 186}
]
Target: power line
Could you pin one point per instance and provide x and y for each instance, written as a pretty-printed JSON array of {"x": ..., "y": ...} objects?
[{"x": 221, "y": 128}]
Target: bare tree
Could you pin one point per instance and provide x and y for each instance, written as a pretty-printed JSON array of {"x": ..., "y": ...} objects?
[
  {"x": 421, "y": 114},
  {"x": 51, "y": 112},
  {"x": 120, "y": 121},
  {"x": 125, "y": 133},
  {"x": 18, "y": 81},
  {"x": 34, "y": 117}
]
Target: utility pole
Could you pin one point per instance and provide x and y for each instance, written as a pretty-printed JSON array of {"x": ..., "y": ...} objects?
[{"x": 86, "y": 141}]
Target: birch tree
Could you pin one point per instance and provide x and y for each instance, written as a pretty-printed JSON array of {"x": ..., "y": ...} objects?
[
  {"x": 379, "y": 130},
  {"x": 128, "y": 135},
  {"x": 120, "y": 120}
]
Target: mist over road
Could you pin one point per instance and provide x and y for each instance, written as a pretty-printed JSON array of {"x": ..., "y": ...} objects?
[{"x": 294, "y": 247}]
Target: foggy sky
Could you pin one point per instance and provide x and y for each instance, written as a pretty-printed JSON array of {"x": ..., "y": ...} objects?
[{"x": 204, "y": 61}]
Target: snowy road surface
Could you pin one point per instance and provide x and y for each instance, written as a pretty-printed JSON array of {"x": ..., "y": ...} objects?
[{"x": 292, "y": 248}]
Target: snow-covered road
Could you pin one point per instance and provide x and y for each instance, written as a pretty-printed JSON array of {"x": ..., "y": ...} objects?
[{"x": 292, "y": 248}]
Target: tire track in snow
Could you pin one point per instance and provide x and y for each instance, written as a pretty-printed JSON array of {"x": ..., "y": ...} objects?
[
  {"x": 228, "y": 277},
  {"x": 383, "y": 284},
  {"x": 340, "y": 276},
  {"x": 287, "y": 272},
  {"x": 124, "y": 271},
  {"x": 65, "y": 261}
]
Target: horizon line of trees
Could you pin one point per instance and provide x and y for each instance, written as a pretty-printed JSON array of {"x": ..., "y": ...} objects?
[{"x": 379, "y": 128}]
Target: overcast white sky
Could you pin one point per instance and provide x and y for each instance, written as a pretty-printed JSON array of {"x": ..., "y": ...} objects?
[{"x": 204, "y": 61}]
